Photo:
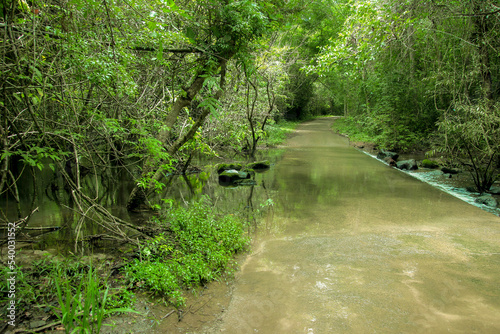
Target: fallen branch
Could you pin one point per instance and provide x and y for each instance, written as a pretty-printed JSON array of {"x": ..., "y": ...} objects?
[{"x": 38, "y": 329}]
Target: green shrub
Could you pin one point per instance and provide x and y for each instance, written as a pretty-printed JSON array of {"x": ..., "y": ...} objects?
[
  {"x": 82, "y": 309},
  {"x": 352, "y": 128},
  {"x": 198, "y": 248},
  {"x": 379, "y": 130},
  {"x": 426, "y": 163}
]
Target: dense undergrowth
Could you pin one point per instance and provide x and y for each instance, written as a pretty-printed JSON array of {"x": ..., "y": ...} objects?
[
  {"x": 197, "y": 247},
  {"x": 65, "y": 292},
  {"x": 397, "y": 138},
  {"x": 277, "y": 133}
]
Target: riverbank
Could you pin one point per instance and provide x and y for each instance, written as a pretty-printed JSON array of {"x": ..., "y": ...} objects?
[
  {"x": 204, "y": 293},
  {"x": 138, "y": 287},
  {"x": 458, "y": 184}
]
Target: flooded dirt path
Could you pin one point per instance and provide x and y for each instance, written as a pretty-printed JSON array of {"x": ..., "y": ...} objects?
[{"x": 353, "y": 246}]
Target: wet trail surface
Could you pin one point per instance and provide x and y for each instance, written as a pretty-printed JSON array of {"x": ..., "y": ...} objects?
[{"x": 353, "y": 246}]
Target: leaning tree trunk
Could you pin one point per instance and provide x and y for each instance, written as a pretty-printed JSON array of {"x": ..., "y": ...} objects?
[{"x": 138, "y": 196}]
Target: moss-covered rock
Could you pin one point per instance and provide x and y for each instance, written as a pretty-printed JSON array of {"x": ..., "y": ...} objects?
[
  {"x": 407, "y": 164},
  {"x": 245, "y": 182},
  {"x": 234, "y": 174},
  {"x": 427, "y": 163},
  {"x": 223, "y": 167},
  {"x": 248, "y": 170},
  {"x": 450, "y": 171},
  {"x": 231, "y": 176},
  {"x": 259, "y": 165}
]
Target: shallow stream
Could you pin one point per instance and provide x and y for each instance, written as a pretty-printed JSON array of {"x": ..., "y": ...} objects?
[{"x": 353, "y": 246}]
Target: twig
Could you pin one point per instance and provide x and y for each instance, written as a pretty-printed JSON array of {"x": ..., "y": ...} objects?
[{"x": 168, "y": 314}]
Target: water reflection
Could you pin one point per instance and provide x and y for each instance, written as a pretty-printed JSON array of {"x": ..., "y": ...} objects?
[
  {"x": 59, "y": 214},
  {"x": 354, "y": 246}
]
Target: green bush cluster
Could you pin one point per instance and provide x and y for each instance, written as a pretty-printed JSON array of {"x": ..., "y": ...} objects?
[
  {"x": 352, "y": 128},
  {"x": 82, "y": 308},
  {"x": 198, "y": 247},
  {"x": 370, "y": 129}
]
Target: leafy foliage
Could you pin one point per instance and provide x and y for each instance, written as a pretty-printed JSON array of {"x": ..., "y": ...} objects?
[
  {"x": 197, "y": 249},
  {"x": 93, "y": 88},
  {"x": 83, "y": 298},
  {"x": 472, "y": 134},
  {"x": 399, "y": 67},
  {"x": 276, "y": 132},
  {"x": 83, "y": 309}
]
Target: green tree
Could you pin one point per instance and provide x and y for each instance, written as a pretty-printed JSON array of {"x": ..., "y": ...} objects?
[
  {"x": 95, "y": 89},
  {"x": 470, "y": 127},
  {"x": 223, "y": 31}
]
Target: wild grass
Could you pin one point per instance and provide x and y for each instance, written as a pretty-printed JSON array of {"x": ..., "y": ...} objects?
[
  {"x": 82, "y": 309},
  {"x": 81, "y": 297}
]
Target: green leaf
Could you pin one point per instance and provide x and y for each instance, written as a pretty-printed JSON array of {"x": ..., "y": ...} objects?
[
  {"x": 18, "y": 96},
  {"x": 190, "y": 34}
]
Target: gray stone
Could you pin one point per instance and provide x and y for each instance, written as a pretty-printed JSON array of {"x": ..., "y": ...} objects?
[
  {"x": 231, "y": 176},
  {"x": 230, "y": 173},
  {"x": 37, "y": 323},
  {"x": 494, "y": 190},
  {"x": 487, "y": 200},
  {"x": 407, "y": 164},
  {"x": 387, "y": 154},
  {"x": 259, "y": 165},
  {"x": 224, "y": 167}
]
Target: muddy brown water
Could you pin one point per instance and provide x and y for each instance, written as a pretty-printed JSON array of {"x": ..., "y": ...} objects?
[{"x": 353, "y": 246}]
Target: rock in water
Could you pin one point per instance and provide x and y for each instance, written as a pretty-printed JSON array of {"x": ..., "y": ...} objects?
[
  {"x": 407, "y": 165},
  {"x": 426, "y": 163},
  {"x": 494, "y": 190},
  {"x": 450, "y": 171},
  {"x": 387, "y": 154},
  {"x": 223, "y": 167},
  {"x": 390, "y": 161},
  {"x": 231, "y": 176},
  {"x": 487, "y": 200},
  {"x": 259, "y": 165}
]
